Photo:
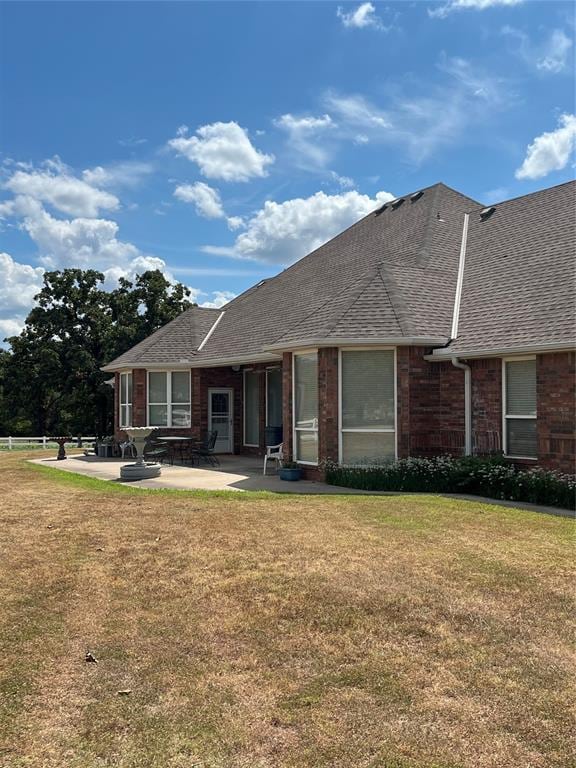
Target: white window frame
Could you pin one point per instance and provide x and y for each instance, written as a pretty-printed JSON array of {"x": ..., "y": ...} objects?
[
  {"x": 506, "y": 416},
  {"x": 245, "y": 371},
  {"x": 168, "y": 404},
  {"x": 269, "y": 370},
  {"x": 124, "y": 388},
  {"x": 342, "y": 429},
  {"x": 302, "y": 429}
]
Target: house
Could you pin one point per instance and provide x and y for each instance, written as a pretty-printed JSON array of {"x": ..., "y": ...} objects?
[{"x": 433, "y": 325}]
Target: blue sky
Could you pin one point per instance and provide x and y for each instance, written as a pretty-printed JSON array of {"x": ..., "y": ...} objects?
[{"x": 220, "y": 141}]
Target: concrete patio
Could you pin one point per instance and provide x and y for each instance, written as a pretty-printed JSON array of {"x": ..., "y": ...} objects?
[{"x": 236, "y": 473}]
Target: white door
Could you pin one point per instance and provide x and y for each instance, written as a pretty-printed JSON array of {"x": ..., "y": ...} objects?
[{"x": 221, "y": 418}]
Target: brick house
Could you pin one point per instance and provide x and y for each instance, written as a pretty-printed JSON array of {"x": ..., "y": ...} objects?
[{"x": 433, "y": 325}]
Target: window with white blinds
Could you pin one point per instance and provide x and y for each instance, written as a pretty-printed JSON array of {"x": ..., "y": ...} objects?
[
  {"x": 169, "y": 399},
  {"x": 126, "y": 399},
  {"x": 306, "y": 407},
  {"x": 520, "y": 438},
  {"x": 251, "y": 408},
  {"x": 368, "y": 407}
]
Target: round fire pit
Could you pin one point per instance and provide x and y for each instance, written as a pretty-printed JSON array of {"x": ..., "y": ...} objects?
[{"x": 140, "y": 470}]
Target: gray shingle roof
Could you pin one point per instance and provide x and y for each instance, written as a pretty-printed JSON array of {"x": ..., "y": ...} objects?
[
  {"x": 520, "y": 274},
  {"x": 175, "y": 342},
  {"x": 393, "y": 275}
]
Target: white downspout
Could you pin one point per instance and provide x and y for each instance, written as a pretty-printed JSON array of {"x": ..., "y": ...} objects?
[{"x": 467, "y": 404}]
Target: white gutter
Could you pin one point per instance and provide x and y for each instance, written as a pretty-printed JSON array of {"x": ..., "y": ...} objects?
[
  {"x": 186, "y": 365},
  {"x": 467, "y": 404},
  {"x": 393, "y": 341},
  {"x": 441, "y": 355},
  {"x": 211, "y": 331},
  {"x": 460, "y": 278}
]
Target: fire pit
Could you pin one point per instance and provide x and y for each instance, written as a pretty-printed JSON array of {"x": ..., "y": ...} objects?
[
  {"x": 61, "y": 450},
  {"x": 140, "y": 470}
]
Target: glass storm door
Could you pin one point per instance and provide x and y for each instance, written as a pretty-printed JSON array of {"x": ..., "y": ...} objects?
[{"x": 221, "y": 418}]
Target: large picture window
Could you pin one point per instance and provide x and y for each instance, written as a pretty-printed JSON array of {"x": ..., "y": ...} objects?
[
  {"x": 169, "y": 399},
  {"x": 368, "y": 407},
  {"x": 306, "y": 408},
  {"x": 126, "y": 399},
  {"x": 520, "y": 437},
  {"x": 251, "y": 408}
]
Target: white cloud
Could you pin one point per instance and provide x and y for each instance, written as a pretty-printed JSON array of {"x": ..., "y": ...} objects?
[
  {"x": 235, "y": 222},
  {"x": 56, "y": 186},
  {"x": 220, "y": 298},
  {"x": 554, "y": 57},
  {"x": 461, "y": 5},
  {"x": 19, "y": 283},
  {"x": 222, "y": 151},
  {"x": 206, "y": 200},
  {"x": 361, "y": 17},
  {"x": 282, "y": 233},
  {"x": 125, "y": 174},
  {"x": 344, "y": 182},
  {"x": 550, "y": 151},
  {"x": 303, "y": 136}
]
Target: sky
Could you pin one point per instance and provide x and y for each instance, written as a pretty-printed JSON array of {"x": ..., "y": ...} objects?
[{"x": 222, "y": 141}]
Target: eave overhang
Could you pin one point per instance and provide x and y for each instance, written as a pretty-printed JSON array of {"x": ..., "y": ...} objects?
[{"x": 446, "y": 354}]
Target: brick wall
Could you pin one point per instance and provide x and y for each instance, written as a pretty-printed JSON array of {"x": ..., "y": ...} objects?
[
  {"x": 287, "y": 402},
  {"x": 328, "y": 404},
  {"x": 556, "y": 395}
]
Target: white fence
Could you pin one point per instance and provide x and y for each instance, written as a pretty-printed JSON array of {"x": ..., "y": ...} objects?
[{"x": 10, "y": 443}]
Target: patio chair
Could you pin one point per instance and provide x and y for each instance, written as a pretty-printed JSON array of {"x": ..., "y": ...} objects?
[
  {"x": 273, "y": 453},
  {"x": 205, "y": 450},
  {"x": 129, "y": 447},
  {"x": 155, "y": 450}
]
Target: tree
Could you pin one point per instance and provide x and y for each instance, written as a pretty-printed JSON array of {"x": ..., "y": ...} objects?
[{"x": 51, "y": 378}]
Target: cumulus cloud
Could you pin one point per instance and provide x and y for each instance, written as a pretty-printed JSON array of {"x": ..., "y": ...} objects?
[
  {"x": 56, "y": 186},
  {"x": 126, "y": 174},
  {"x": 206, "y": 199},
  {"x": 220, "y": 298},
  {"x": 554, "y": 57},
  {"x": 361, "y": 17},
  {"x": 222, "y": 151},
  {"x": 461, "y": 5},
  {"x": 19, "y": 284},
  {"x": 550, "y": 151},
  {"x": 282, "y": 233}
]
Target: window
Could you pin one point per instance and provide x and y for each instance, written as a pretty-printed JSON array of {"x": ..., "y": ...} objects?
[
  {"x": 169, "y": 399},
  {"x": 520, "y": 437},
  {"x": 306, "y": 408},
  {"x": 368, "y": 406},
  {"x": 126, "y": 399},
  {"x": 274, "y": 397},
  {"x": 251, "y": 408}
]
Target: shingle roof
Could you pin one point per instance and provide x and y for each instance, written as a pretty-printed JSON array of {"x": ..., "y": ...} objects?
[
  {"x": 175, "y": 342},
  {"x": 520, "y": 274},
  {"x": 393, "y": 275}
]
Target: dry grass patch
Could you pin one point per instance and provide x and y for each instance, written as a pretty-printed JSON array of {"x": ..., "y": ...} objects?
[{"x": 279, "y": 632}]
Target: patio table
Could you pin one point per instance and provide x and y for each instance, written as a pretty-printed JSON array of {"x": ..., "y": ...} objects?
[{"x": 175, "y": 443}]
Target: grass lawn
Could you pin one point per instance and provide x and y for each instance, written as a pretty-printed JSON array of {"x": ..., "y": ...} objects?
[{"x": 256, "y": 631}]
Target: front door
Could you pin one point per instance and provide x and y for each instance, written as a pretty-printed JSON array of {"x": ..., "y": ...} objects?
[{"x": 221, "y": 418}]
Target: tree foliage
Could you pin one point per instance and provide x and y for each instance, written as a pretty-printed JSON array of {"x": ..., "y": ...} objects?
[{"x": 50, "y": 379}]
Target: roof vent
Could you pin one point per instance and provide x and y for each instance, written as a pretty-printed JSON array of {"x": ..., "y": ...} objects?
[
  {"x": 396, "y": 203},
  {"x": 416, "y": 196},
  {"x": 485, "y": 213},
  {"x": 380, "y": 210}
]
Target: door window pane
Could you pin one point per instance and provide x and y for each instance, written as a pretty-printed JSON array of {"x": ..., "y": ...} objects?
[
  {"x": 251, "y": 407},
  {"x": 368, "y": 447},
  {"x": 157, "y": 387},
  {"x": 368, "y": 389}
]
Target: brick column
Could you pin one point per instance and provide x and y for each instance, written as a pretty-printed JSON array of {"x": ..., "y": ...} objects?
[
  {"x": 287, "y": 403},
  {"x": 139, "y": 397},
  {"x": 116, "y": 404},
  {"x": 328, "y": 404},
  {"x": 556, "y": 423}
]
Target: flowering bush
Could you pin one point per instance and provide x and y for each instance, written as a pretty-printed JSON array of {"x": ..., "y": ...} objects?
[{"x": 493, "y": 477}]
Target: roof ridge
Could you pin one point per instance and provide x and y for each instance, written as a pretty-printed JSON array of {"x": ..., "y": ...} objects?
[
  {"x": 393, "y": 290},
  {"x": 535, "y": 192}
]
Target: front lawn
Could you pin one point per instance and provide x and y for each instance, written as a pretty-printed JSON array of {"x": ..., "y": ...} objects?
[{"x": 279, "y": 632}]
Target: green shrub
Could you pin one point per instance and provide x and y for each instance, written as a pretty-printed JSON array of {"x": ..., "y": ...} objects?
[{"x": 491, "y": 476}]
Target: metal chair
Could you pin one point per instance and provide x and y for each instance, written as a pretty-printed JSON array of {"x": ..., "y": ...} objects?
[
  {"x": 273, "y": 453},
  {"x": 205, "y": 450}
]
